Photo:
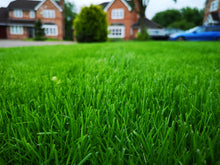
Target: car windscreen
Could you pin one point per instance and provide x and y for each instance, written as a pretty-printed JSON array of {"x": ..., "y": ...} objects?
[{"x": 192, "y": 30}]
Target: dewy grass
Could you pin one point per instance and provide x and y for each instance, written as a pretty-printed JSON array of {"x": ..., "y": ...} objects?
[{"x": 111, "y": 103}]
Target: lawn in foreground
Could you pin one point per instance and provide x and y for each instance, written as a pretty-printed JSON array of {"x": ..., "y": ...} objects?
[{"x": 110, "y": 103}]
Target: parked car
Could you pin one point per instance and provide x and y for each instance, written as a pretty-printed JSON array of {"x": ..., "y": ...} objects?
[
  {"x": 162, "y": 34},
  {"x": 199, "y": 33}
]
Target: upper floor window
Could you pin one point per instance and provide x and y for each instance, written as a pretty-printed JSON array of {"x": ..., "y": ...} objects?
[
  {"x": 18, "y": 13},
  {"x": 49, "y": 14},
  {"x": 214, "y": 6},
  {"x": 117, "y": 13},
  {"x": 32, "y": 14}
]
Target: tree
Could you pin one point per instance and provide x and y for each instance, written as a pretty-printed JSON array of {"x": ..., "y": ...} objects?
[
  {"x": 69, "y": 17},
  {"x": 38, "y": 30},
  {"x": 182, "y": 24},
  {"x": 165, "y": 18},
  {"x": 193, "y": 15},
  {"x": 185, "y": 18},
  {"x": 91, "y": 25},
  {"x": 140, "y": 8}
]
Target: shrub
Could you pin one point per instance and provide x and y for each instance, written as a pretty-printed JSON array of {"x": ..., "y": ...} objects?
[
  {"x": 91, "y": 25},
  {"x": 142, "y": 37},
  {"x": 182, "y": 24},
  {"x": 38, "y": 31}
]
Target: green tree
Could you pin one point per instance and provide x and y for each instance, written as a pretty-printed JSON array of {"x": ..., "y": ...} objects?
[
  {"x": 185, "y": 18},
  {"x": 70, "y": 15},
  {"x": 193, "y": 15},
  {"x": 38, "y": 30},
  {"x": 91, "y": 25},
  {"x": 165, "y": 18},
  {"x": 182, "y": 24}
]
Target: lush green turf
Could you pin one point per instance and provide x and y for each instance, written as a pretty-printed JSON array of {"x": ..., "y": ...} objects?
[{"x": 111, "y": 103}]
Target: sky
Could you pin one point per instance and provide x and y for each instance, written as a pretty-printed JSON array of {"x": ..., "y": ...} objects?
[{"x": 154, "y": 5}]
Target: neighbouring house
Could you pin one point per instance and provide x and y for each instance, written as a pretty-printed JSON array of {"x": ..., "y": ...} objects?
[
  {"x": 212, "y": 12},
  {"x": 123, "y": 20},
  {"x": 18, "y": 19}
]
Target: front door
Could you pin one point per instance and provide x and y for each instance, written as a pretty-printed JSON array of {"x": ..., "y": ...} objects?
[{"x": 30, "y": 32}]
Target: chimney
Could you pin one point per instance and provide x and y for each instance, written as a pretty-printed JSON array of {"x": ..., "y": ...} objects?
[{"x": 62, "y": 4}]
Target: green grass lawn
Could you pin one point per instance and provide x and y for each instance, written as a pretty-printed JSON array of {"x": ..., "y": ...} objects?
[{"x": 111, "y": 103}]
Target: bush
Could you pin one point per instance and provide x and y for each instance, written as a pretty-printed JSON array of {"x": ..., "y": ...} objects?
[
  {"x": 141, "y": 37},
  {"x": 39, "y": 38},
  {"x": 182, "y": 24},
  {"x": 38, "y": 31},
  {"x": 91, "y": 25}
]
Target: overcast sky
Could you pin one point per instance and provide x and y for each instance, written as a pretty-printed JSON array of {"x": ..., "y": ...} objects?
[{"x": 154, "y": 5}]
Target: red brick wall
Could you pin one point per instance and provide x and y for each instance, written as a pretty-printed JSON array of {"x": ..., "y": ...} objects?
[
  {"x": 26, "y": 15},
  {"x": 58, "y": 20},
  {"x": 17, "y": 37},
  {"x": 130, "y": 17}
]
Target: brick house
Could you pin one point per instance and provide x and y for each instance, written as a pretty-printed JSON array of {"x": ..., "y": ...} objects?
[
  {"x": 212, "y": 12},
  {"x": 17, "y": 20},
  {"x": 123, "y": 20}
]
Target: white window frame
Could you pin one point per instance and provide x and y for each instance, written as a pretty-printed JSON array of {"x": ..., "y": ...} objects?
[
  {"x": 118, "y": 13},
  {"x": 116, "y": 31},
  {"x": 18, "y": 13},
  {"x": 50, "y": 30},
  {"x": 18, "y": 30},
  {"x": 32, "y": 14},
  {"x": 49, "y": 13},
  {"x": 214, "y": 6}
]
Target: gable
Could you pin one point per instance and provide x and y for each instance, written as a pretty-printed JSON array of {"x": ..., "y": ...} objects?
[
  {"x": 123, "y": 1},
  {"x": 54, "y": 3}
]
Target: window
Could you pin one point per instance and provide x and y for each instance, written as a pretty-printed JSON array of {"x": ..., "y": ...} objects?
[
  {"x": 200, "y": 29},
  {"x": 213, "y": 29},
  {"x": 18, "y": 13},
  {"x": 32, "y": 14},
  {"x": 116, "y": 31},
  {"x": 117, "y": 13},
  {"x": 49, "y": 14},
  {"x": 50, "y": 30},
  {"x": 214, "y": 6},
  {"x": 16, "y": 30}
]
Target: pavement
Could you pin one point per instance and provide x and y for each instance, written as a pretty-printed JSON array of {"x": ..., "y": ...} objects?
[{"x": 21, "y": 43}]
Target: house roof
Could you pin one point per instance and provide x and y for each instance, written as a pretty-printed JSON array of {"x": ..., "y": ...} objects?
[
  {"x": 127, "y": 3},
  {"x": 148, "y": 23},
  {"x": 23, "y": 4},
  {"x": 23, "y": 22},
  {"x": 104, "y": 4},
  {"x": 26, "y": 23},
  {"x": 3, "y": 15},
  {"x": 30, "y": 4}
]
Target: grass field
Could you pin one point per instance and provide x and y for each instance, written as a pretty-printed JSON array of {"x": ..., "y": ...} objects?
[{"x": 111, "y": 103}]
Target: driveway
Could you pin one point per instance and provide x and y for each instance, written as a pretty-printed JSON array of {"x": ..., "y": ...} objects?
[{"x": 21, "y": 43}]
